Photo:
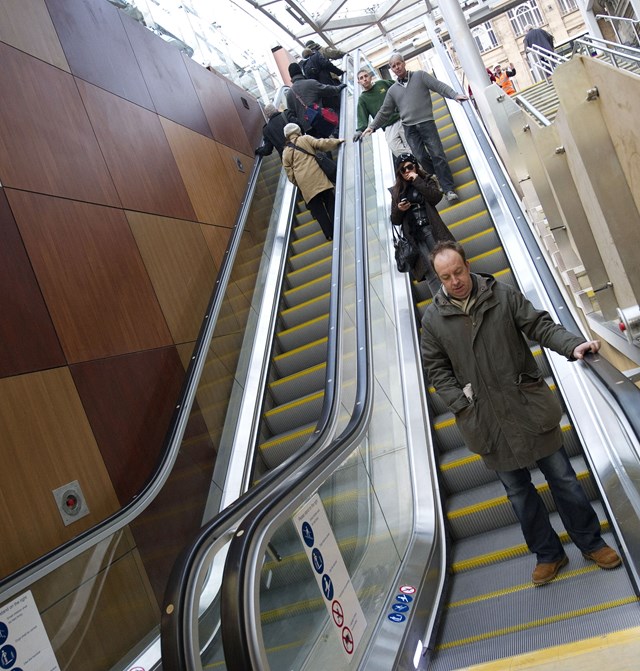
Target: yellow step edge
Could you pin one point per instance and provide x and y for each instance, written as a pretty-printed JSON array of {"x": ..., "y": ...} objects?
[
  {"x": 514, "y": 551},
  {"x": 524, "y": 626},
  {"x": 326, "y": 243},
  {"x": 499, "y": 500},
  {"x": 458, "y": 463},
  {"x": 475, "y": 236},
  {"x": 296, "y": 376},
  {"x": 459, "y": 172},
  {"x": 306, "y": 303},
  {"x": 600, "y": 650},
  {"x": 283, "y": 439},
  {"x": 466, "y": 201},
  {"x": 484, "y": 255},
  {"x": 306, "y": 285},
  {"x": 309, "y": 235},
  {"x": 302, "y": 348},
  {"x": 311, "y": 265},
  {"x": 301, "y": 326},
  {"x": 471, "y": 217},
  {"x": 294, "y": 404}
]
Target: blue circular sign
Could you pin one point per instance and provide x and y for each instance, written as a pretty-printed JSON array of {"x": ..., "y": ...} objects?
[
  {"x": 4, "y": 632},
  {"x": 396, "y": 617},
  {"x": 400, "y": 607},
  {"x": 327, "y": 587},
  {"x": 404, "y": 598},
  {"x": 307, "y": 534},
  {"x": 318, "y": 560},
  {"x": 8, "y": 656}
]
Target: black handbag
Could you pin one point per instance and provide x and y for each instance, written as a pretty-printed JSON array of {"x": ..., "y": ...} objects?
[
  {"x": 405, "y": 253},
  {"x": 326, "y": 163}
]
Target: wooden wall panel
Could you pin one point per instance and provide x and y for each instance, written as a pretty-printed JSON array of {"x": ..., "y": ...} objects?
[
  {"x": 28, "y": 341},
  {"x": 48, "y": 144},
  {"x": 209, "y": 173},
  {"x": 219, "y": 108},
  {"x": 26, "y": 25},
  {"x": 129, "y": 401},
  {"x": 173, "y": 518},
  {"x": 48, "y": 442},
  {"x": 181, "y": 270},
  {"x": 249, "y": 111},
  {"x": 137, "y": 153},
  {"x": 239, "y": 178},
  {"x": 98, "y": 49},
  {"x": 217, "y": 239},
  {"x": 165, "y": 73},
  {"x": 92, "y": 277}
]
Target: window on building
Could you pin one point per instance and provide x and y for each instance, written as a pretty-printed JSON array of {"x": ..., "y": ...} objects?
[
  {"x": 567, "y": 6},
  {"x": 527, "y": 14},
  {"x": 485, "y": 37}
]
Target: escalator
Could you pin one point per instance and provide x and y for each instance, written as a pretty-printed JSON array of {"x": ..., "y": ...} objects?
[
  {"x": 491, "y": 608},
  {"x": 380, "y": 493}
]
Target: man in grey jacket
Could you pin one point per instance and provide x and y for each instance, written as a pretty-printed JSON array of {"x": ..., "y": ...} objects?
[
  {"x": 411, "y": 97},
  {"x": 480, "y": 364}
]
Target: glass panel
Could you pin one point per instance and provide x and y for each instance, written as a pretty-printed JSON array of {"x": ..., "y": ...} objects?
[{"x": 99, "y": 608}]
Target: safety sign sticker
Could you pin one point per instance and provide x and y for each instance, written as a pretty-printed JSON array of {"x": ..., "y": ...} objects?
[
  {"x": 401, "y": 607},
  {"x": 24, "y": 644},
  {"x": 331, "y": 574}
]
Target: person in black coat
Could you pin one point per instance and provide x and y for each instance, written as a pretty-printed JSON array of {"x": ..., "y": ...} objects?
[
  {"x": 273, "y": 130},
  {"x": 414, "y": 197}
]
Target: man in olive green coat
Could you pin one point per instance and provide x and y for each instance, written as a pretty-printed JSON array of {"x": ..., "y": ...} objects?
[{"x": 480, "y": 364}]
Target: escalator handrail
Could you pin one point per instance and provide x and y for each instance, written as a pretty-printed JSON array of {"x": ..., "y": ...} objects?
[
  {"x": 48, "y": 562},
  {"x": 624, "y": 392},
  {"x": 176, "y": 612},
  {"x": 244, "y": 554}
]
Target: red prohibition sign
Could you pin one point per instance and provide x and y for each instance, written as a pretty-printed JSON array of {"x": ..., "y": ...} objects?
[
  {"x": 337, "y": 613},
  {"x": 407, "y": 589},
  {"x": 347, "y": 640}
]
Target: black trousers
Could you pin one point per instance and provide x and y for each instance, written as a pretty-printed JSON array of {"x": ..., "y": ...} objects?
[{"x": 322, "y": 208}]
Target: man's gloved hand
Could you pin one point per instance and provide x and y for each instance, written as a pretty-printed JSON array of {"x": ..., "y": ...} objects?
[
  {"x": 357, "y": 135},
  {"x": 342, "y": 86},
  {"x": 261, "y": 151}
]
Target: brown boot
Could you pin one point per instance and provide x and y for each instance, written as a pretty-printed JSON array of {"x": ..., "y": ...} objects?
[
  {"x": 605, "y": 557},
  {"x": 545, "y": 572}
]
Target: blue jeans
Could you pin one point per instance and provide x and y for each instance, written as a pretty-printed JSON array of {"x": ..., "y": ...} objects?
[
  {"x": 572, "y": 504},
  {"x": 433, "y": 158}
]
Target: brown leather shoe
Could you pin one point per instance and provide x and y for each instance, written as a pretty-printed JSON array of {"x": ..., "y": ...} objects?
[
  {"x": 605, "y": 557},
  {"x": 545, "y": 572}
]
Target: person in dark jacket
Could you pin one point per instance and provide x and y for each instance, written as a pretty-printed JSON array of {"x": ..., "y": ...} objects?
[
  {"x": 414, "y": 197},
  {"x": 477, "y": 358},
  {"x": 273, "y": 130},
  {"x": 304, "y": 92},
  {"x": 317, "y": 67}
]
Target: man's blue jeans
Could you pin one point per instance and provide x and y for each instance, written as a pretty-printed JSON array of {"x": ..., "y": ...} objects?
[
  {"x": 435, "y": 161},
  {"x": 572, "y": 504}
]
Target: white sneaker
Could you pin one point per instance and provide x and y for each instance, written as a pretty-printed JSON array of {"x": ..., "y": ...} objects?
[{"x": 452, "y": 196}]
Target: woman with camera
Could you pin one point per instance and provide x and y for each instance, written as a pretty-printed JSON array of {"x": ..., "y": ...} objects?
[{"x": 414, "y": 197}]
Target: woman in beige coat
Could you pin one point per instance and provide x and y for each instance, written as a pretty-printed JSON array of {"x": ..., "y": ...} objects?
[{"x": 304, "y": 172}]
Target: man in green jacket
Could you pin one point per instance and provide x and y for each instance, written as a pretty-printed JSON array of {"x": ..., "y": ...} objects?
[
  {"x": 481, "y": 366},
  {"x": 369, "y": 103}
]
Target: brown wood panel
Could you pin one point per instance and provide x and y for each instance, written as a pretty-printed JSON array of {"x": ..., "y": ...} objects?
[
  {"x": 175, "y": 515},
  {"x": 219, "y": 108},
  {"x": 129, "y": 401},
  {"x": 118, "y": 614},
  {"x": 217, "y": 239},
  {"x": 92, "y": 276},
  {"x": 165, "y": 73},
  {"x": 97, "y": 47},
  {"x": 46, "y": 443},
  {"x": 28, "y": 341},
  {"x": 250, "y": 113},
  {"x": 137, "y": 153},
  {"x": 209, "y": 173},
  {"x": 180, "y": 267},
  {"x": 26, "y": 25},
  {"x": 239, "y": 167},
  {"x": 48, "y": 144}
]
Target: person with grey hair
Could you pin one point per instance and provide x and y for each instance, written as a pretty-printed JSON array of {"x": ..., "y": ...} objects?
[
  {"x": 301, "y": 166},
  {"x": 410, "y": 96},
  {"x": 273, "y": 130}
]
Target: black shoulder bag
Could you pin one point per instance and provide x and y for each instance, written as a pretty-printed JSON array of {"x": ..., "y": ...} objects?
[
  {"x": 405, "y": 253},
  {"x": 326, "y": 163}
]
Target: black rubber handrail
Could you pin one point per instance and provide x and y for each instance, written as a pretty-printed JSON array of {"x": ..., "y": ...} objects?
[{"x": 176, "y": 613}]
